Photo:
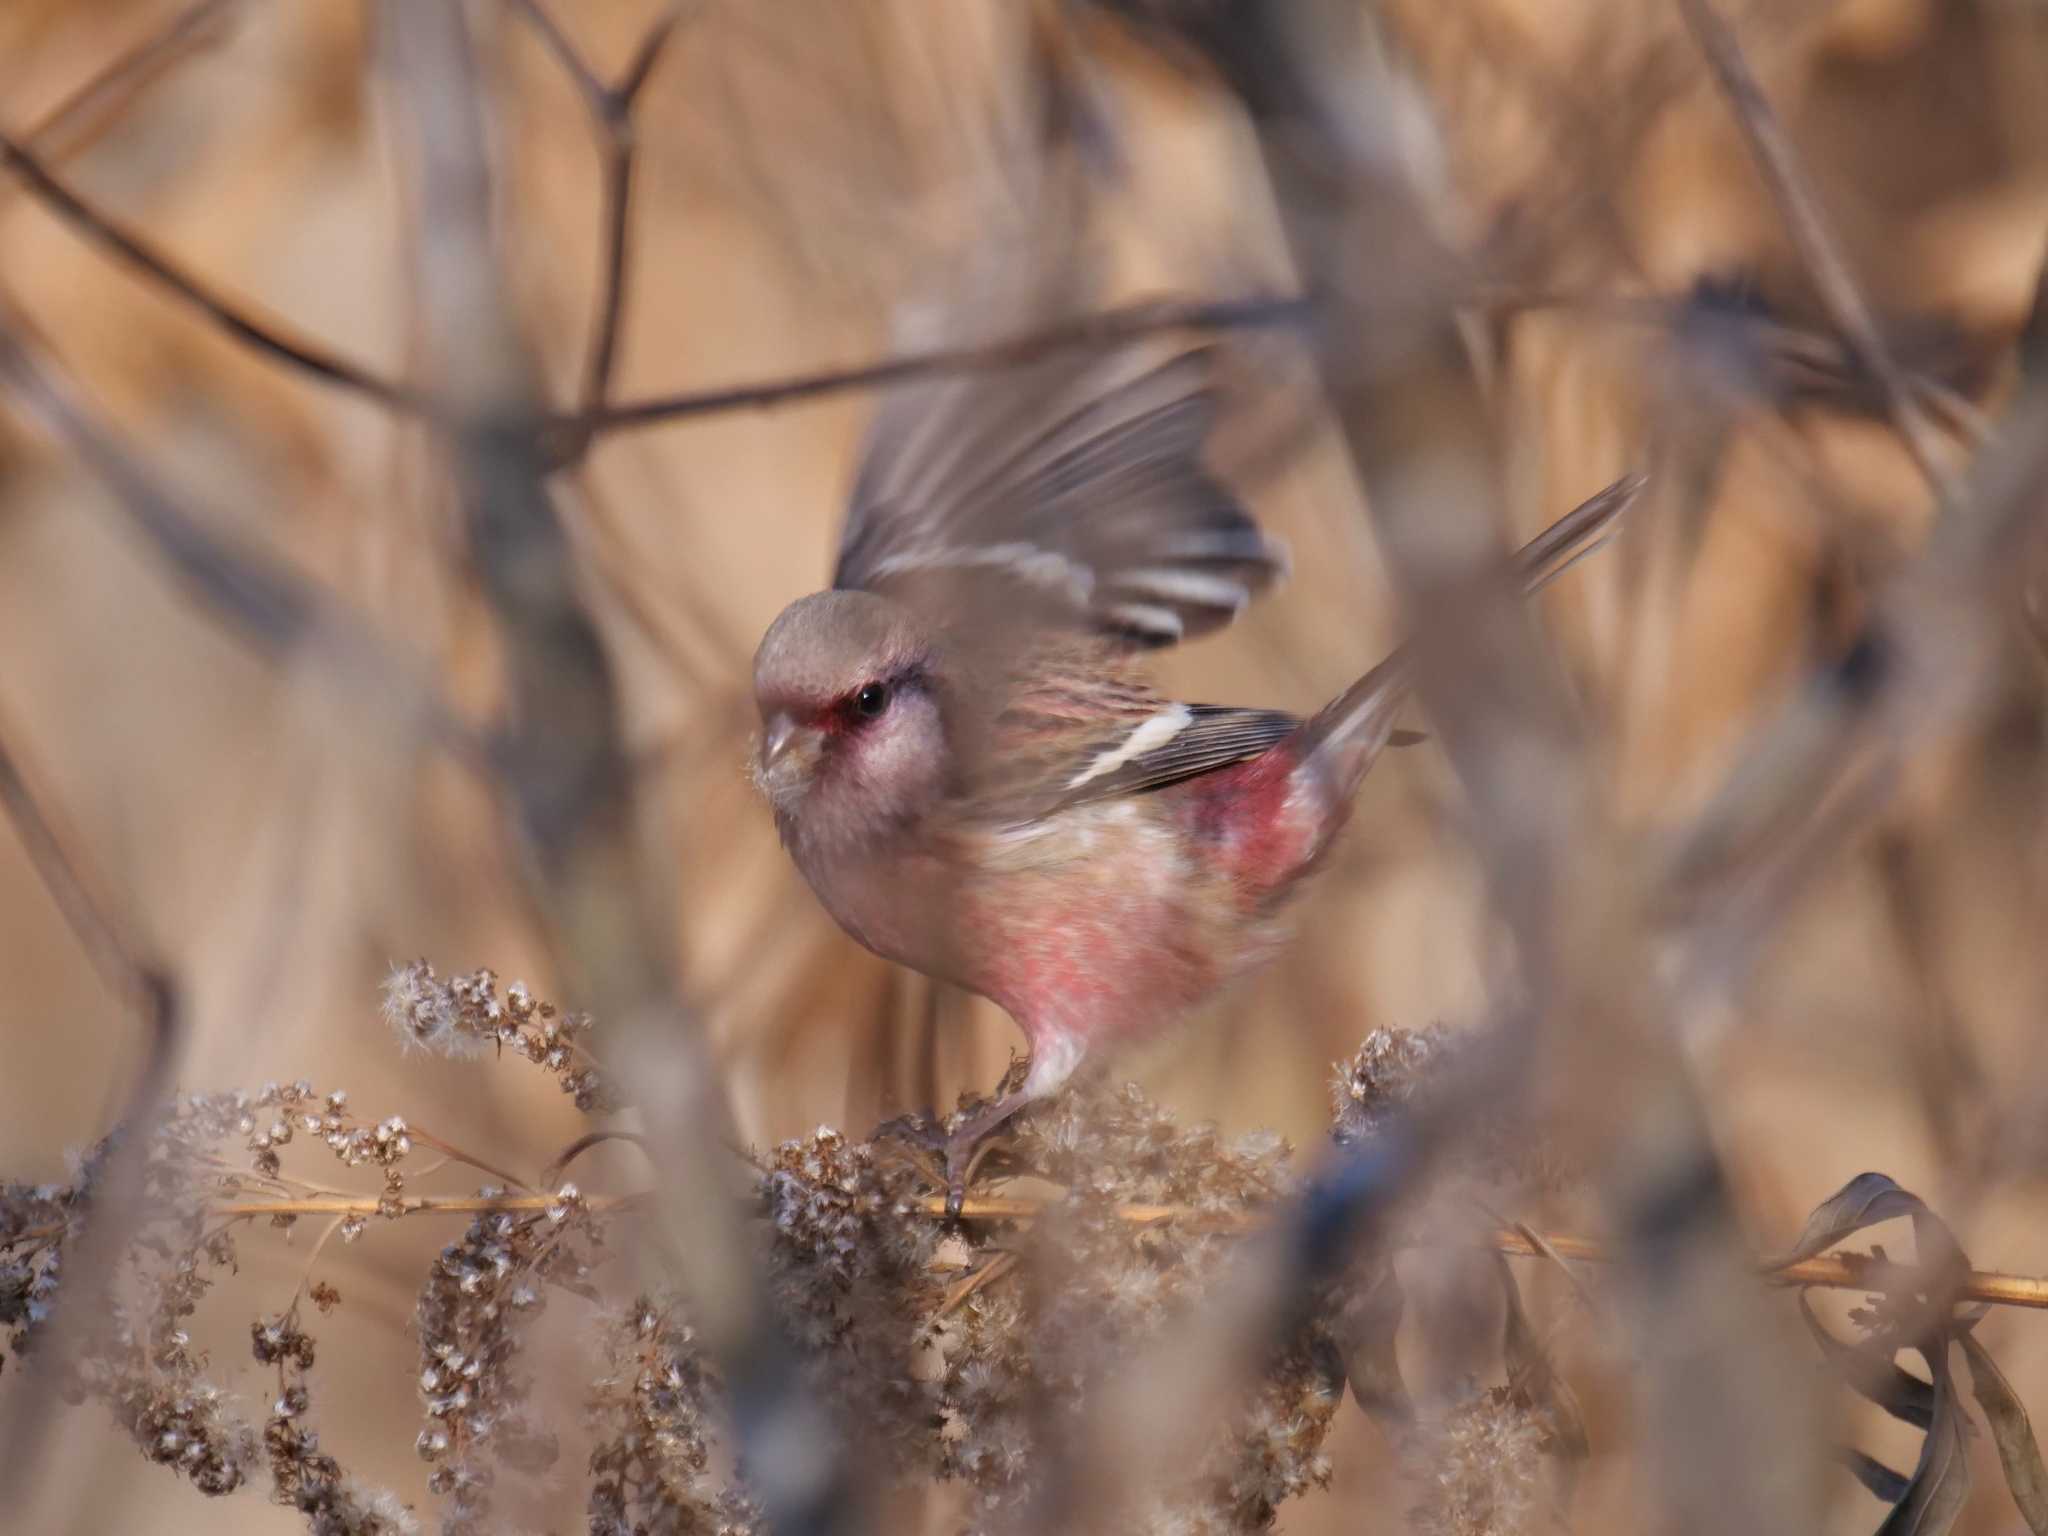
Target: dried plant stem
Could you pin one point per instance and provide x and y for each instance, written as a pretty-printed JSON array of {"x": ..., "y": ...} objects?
[
  {"x": 1839, "y": 1272},
  {"x": 611, "y": 112},
  {"x": 456, "y": 1154},
  {"x": 1816, "y": 243},
  {"x": 1105, "y": 328},
  {"x": 104, "y": 97},
  {"x": 78, "y": 897},
  {"x": 414, "y": 1205},
  {"x": 266, "y": 336}
]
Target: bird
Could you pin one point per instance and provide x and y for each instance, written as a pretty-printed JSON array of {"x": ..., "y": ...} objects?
[{"x": 963, "y": 751}]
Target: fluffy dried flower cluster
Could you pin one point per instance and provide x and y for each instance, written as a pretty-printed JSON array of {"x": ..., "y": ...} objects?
[
  {"x": 1484, "y": 1472},
  {"x": 1387, "y": 1069},
  {"x": 1392, "y": 1068},
  {"x": 971, "y": 1354},
  {"x": 481, "y": 1291},
  {"x": 301, "y": 1474},
  {"x": 133, "y": 1350},
  {"x": 1103, "y": 1289},
  {"x": 961, "y": 1363},
  {"x": 37, "y": 1222},
  {"x": 464, "y": 1015},
  {"x": 654, "y": 1417}
]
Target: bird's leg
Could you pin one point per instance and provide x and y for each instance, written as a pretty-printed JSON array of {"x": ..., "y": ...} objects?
[
  {"x": 952, "y": 1158},
  {"x": 971, "y": 1141}
]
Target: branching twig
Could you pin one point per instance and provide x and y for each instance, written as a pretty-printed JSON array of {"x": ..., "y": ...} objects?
[
  {"x": 611, "y": 112},
  {"x": 569, "y": 433}
]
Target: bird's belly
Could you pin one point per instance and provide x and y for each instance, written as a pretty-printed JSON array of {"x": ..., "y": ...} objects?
[{"x": 1098, "y": 929}]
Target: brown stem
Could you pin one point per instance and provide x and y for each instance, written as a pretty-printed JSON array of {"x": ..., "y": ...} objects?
[
  {"x": 581, "y": 1145},
  {"x": 85, "y": 908},
  {"x": 428, "y": 1138},
  {"x": 106, "y": 94},
  {"x": 266, "y": 336},
  {"x": 1816, "y": 242},
  {"x": 1106, "y": 328},
  {"x": 1834, "y": 1271},
  {"x": 611, "y": 114}
]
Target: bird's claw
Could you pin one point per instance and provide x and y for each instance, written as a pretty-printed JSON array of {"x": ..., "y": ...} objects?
[{"x": 949, "y": 1161}]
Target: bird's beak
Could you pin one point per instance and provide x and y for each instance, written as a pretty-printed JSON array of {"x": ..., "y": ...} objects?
[
  {"x": 775, "y": 740},
  {"x": 788, "y": 753}
]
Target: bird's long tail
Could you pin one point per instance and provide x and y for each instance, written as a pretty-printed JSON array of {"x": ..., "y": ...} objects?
[{"x": 1347, "y": 734}]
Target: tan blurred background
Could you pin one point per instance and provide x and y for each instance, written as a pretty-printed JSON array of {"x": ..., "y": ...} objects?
[{"x": 806, "y": 167}]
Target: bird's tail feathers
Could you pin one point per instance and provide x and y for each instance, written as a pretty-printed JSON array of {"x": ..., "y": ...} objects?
[{"x": 1348, "y": 734}]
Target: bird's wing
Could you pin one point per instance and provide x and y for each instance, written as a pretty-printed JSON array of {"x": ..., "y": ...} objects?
[
  {"x": 1072, "y": 491},
  {"x": 1083, "y": 726},
  {"x": 1175, "y": 742}
]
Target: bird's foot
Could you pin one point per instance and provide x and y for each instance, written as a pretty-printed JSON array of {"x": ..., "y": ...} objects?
[{"x": 949, "y": 1160}]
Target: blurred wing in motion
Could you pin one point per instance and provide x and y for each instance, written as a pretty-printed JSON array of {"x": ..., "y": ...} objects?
[{"x": 1073, "y": 491}]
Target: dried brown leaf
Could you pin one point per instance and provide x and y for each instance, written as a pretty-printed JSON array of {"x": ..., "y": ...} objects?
[
  {"x": 2011, "y": 1431},
  {"x": 1366, "y": 1327},
  {"x": 1533, "y": 1376},
  {"x": 1879, "y": 1378},
  {"x": 1865, "y": 1201},
  {"x": 1873, "y": 1474},
  {"x": 1940, "y": 1485}
]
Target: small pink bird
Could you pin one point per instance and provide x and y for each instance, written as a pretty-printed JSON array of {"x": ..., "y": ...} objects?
[{"x": 963, "y": 755}]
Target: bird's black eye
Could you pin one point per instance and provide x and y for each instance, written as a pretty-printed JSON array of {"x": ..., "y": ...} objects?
[{"x": 871, "y": 700}]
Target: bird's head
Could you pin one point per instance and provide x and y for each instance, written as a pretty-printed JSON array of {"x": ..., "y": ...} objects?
[{"x": 853, "y": 741}]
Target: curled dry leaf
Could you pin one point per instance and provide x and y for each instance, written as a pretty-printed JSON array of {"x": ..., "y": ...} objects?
[
  {"x": 1535, "y": 1379},
  {"x": 1873, "y": 1474},
  {"x": 1865, "y": 1201},
  {"x": 1367, "y": 1323},
  {"x": 1940, "y": 1484},
  {"x": 2011, "y": 1431},
  {"x": 1872, "y": 1372},
  {"x": 1929, "y": 1501}
]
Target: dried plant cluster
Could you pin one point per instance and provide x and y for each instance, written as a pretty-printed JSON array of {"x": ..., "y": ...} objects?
[{"x": 956, "y": 1352}]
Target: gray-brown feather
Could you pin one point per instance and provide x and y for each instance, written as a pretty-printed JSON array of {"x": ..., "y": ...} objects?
[{"x": 1076, "y": 489}]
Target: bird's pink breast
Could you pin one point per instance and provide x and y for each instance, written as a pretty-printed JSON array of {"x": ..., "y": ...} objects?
[{"x": 1119, "y": 918}]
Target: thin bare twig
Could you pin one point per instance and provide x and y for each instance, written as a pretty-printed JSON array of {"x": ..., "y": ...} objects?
[
  {"x": 581, "y": 1145},
  {"x": 105, "y": 95},
  {"x": 85, "y": 909},
  {"x": 611, "y": 114},
  {"x": 596, "y": 94},
  {"x": 267, "y": 336},
  {"x": 455, "y": 1154},
  {"x": 1105, "y": 328},
  {"x": 1809, "y": 229},
  {"x": 416, "y": 1205}
]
